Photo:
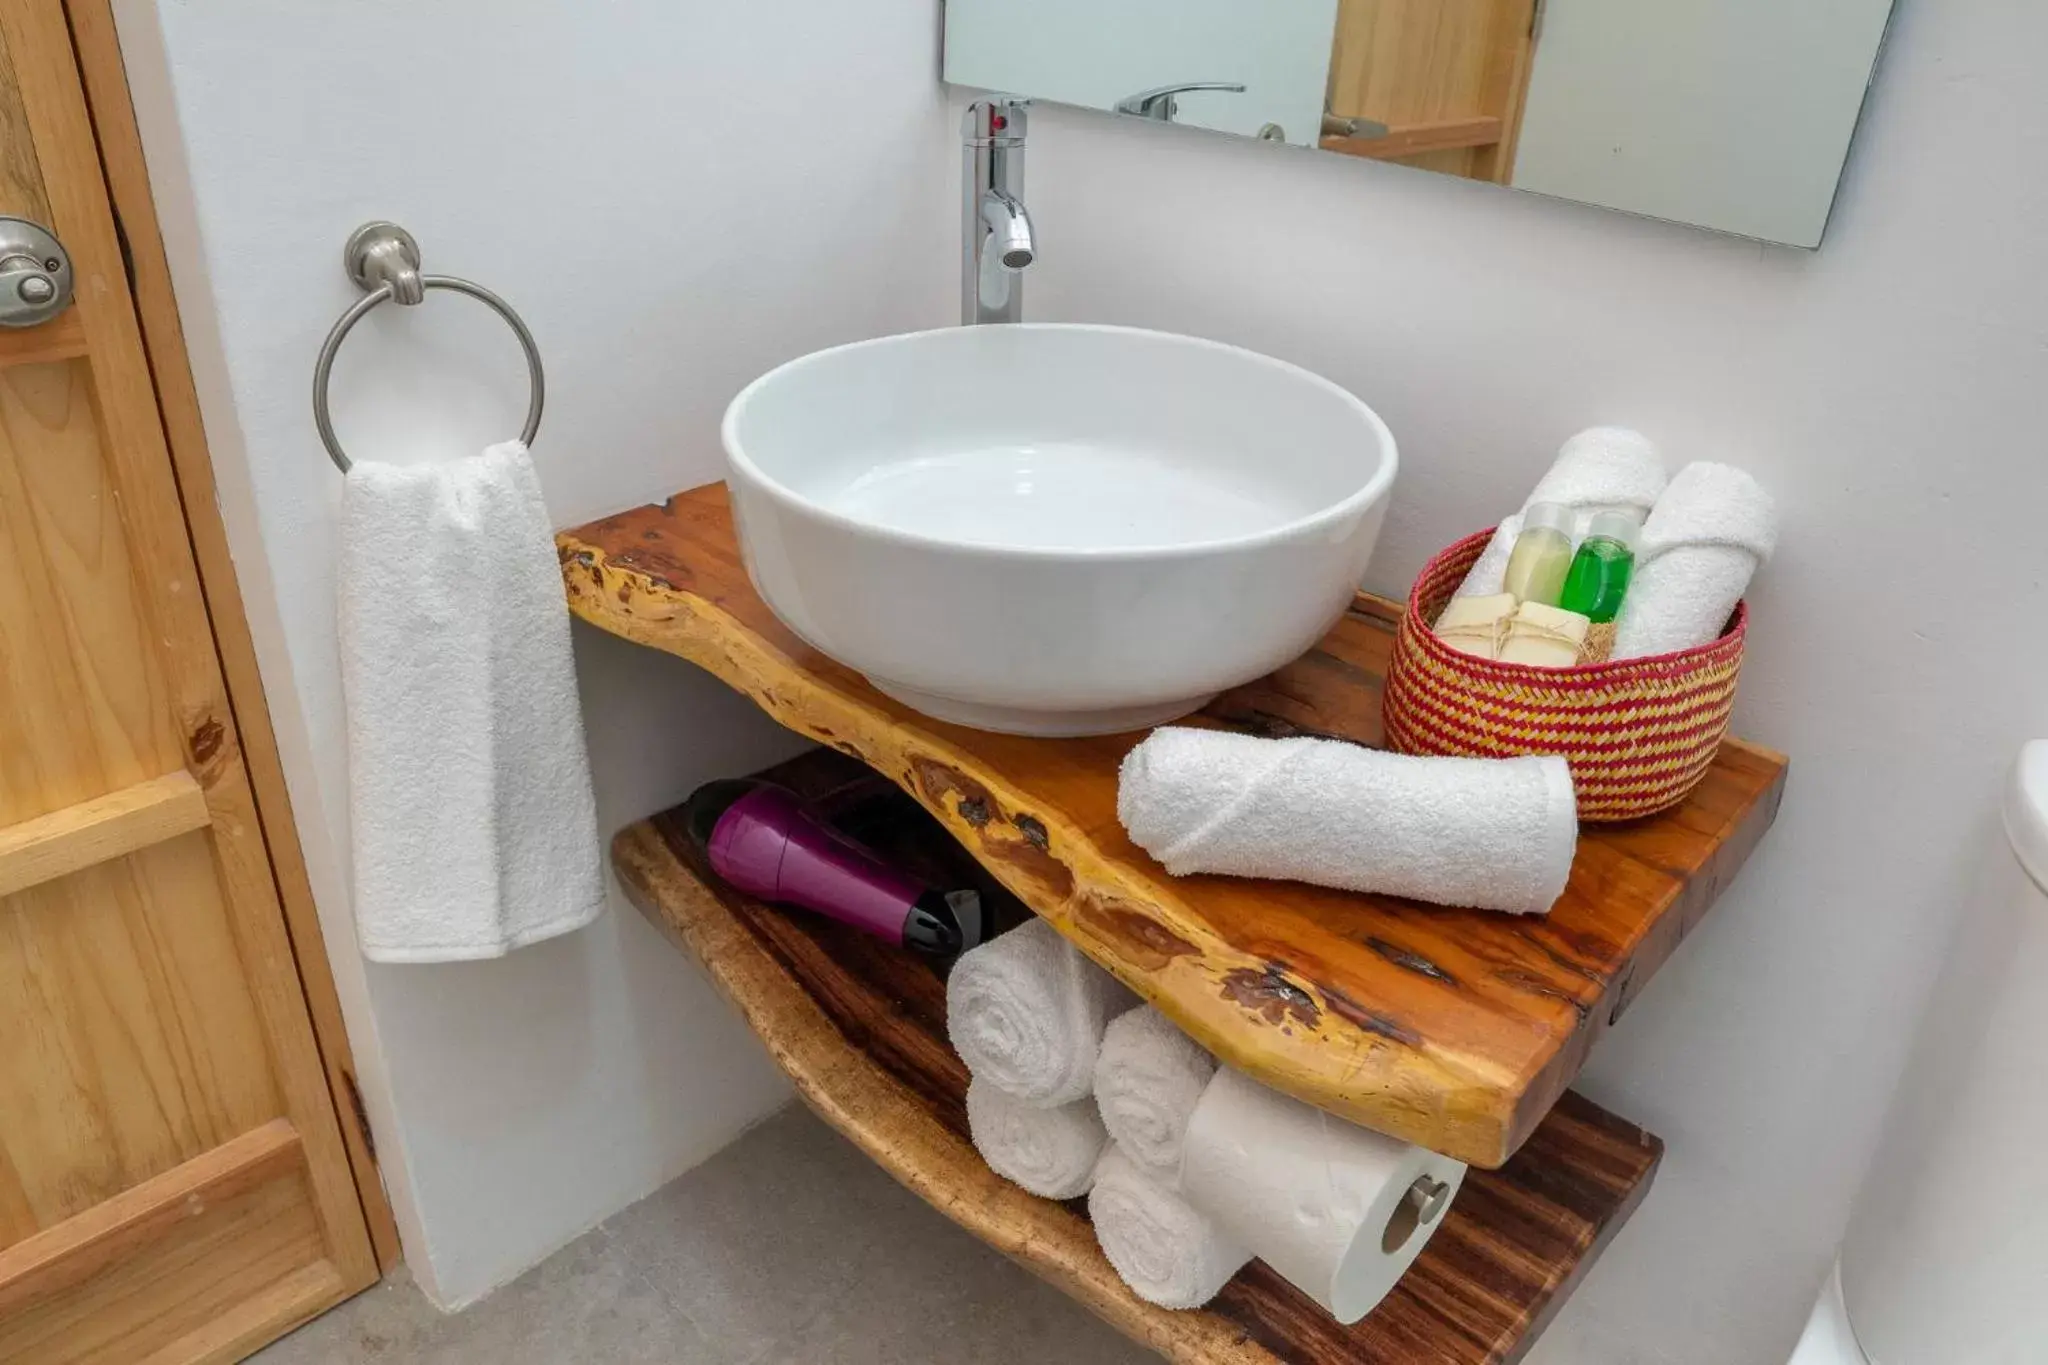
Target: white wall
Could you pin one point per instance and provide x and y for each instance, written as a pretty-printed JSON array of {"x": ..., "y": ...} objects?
[
  {"x": 1893, "y": 389},
  {"x": 1732, "y": 113},
  {"x": 676, "y": 196},
  {"x": 1092, "y": 53}
]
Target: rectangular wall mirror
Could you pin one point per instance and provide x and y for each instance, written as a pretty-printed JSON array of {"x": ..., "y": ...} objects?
[{"x": 1734, "y": 115}]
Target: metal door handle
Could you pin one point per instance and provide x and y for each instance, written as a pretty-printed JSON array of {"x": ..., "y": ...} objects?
[
  {"x": 1336, "y": 125},
  {"x": 35, "y": 274}
]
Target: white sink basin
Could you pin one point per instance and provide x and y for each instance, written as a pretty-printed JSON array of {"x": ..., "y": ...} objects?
[{"x": 1055, "y": 530}]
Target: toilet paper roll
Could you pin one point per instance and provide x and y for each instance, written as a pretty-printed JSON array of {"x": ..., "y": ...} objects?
[{"x": 1338, "y": 1210}]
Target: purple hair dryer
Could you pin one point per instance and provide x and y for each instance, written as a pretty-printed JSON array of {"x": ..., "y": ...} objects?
[{"x": 763, "y": 840}]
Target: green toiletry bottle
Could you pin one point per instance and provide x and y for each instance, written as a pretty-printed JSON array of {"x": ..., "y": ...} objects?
[
  {"x": 1600, "y": 571},
  {"x": 1542, "y": 555}
]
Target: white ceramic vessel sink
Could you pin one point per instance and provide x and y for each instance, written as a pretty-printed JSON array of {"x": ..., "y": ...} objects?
[{"x": 1055, "y": 530}]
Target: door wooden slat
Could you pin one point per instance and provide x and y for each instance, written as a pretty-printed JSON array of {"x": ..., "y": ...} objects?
[
  {"x": 246, "y": 1260},
  {"x": 1438, "y": 135},
  {"x": 56, "y": 1259},
  {"x": 260, "y": 1318},
  {"x": 100, "y": 830},
  {"x": 61, "y": 338}
]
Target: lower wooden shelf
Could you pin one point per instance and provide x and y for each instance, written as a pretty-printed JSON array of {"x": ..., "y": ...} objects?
[{"x": 860, "y": 1028}]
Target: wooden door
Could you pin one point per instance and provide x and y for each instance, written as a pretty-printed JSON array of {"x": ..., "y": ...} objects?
[
  {"x": 173, "y": 1181},
  {"x": 1447, "y": 78}
]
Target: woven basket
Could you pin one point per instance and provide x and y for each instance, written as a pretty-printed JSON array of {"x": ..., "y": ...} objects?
[{"x": 1640, "y": 733}]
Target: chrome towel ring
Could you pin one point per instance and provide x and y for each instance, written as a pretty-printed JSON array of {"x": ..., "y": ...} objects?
[{"x": 384, "y": 261}]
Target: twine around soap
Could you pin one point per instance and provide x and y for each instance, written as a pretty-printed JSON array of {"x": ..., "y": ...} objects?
[{"x": 1494, "y": 635}]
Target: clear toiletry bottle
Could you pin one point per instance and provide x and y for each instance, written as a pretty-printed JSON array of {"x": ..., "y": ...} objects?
[
  {"x": 1601, "y": 569},
  {"x": 1543, "y": 554}
]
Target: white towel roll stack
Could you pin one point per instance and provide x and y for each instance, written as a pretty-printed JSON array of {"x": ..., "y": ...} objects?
[
  {"x": 1325, "y": 1203},
  {"x": 1166, "y": 1250},
  {"x": 1026, "y": 1011},
  {"x": 1484, "y": 833},
  {"x": 1050, "y": 1152},
  {"x": 1147, "y": 1081},
  {"x": 1712, "y": 530}
]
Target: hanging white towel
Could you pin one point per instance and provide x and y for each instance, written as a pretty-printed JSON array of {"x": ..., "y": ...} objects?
[
  {"x": 473, "y": 823},
  {"x": 1706, "y": 537},
  {"x": 1147, "y": 1081},
  {"x": 1050, "y": 1152},
  {"x": 1169, "y": 1253},
  {"x": 1485, "y": 833},
  {"x": 1603, "y": 469},
  {"x": 1026, "y": 1011}
]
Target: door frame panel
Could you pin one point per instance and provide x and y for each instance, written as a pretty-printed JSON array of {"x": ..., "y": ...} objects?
[
  {"x": 79, "y": 166},
  {"x": 98, "y": 53}
]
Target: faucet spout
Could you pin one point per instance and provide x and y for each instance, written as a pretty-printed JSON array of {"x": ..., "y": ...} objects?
[{"x": 1009, "y": 229}]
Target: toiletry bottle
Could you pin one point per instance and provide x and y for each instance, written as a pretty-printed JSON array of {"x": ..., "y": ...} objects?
[
  {"x": 1543, "y": 554},
  {"x": 1600, "y": 570}
]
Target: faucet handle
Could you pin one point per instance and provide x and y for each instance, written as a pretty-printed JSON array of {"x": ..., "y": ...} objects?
[
  {"x": 1158, "y": 103},
  {"x": 998, "y": 121}
]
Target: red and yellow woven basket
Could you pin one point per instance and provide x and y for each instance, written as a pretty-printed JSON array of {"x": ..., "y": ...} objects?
[{"x": 1640, "y": 733}]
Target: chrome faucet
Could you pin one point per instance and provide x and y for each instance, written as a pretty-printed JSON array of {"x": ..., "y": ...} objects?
[
  {"x": 996, "y": 237},
  {"x": 1159, "y": 104}
]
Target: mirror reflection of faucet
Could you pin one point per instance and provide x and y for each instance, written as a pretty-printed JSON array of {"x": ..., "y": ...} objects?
[{"x": 1159, "y": 104}]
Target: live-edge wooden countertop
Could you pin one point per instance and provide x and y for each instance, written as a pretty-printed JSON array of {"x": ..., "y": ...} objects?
[{"x": 1457, "y": 1030}]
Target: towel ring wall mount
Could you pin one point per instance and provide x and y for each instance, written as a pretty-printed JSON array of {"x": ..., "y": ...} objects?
[{"x": 384, "y": 262}]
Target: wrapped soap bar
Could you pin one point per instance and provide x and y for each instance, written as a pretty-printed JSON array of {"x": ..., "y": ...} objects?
[
  {"x": 1548, "y": 637},
  {"x": 1476, "y": 625}
]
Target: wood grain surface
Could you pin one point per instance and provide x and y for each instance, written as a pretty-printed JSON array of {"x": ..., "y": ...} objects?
[
  {"x": 1453, "y": 1029},
  {"x": 100, "y": 830},
  {"x": 1415, "y": 65},
  {"x": 150, "y": 1000},
  {"x": 98, "y": 50},
  {"x": 860, "y": 1028}
]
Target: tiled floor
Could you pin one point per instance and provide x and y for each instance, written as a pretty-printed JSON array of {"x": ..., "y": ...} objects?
[{"x": 788, "y": 1248}]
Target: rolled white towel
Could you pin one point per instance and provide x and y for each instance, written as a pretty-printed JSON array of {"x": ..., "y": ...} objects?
[
  {"x": 1603, "y": 469},
  {"x": 1147, "y": 1081},
  {"x": 1050, "y": 1152},
  {"x": 1026, "y": 1012},
  {"x": 1337, "y": 1210},
  {"x": 1166, "y": 1250},
  {"x": 1709, "y": 533},
  {"x": 1488, "y": 833}
]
